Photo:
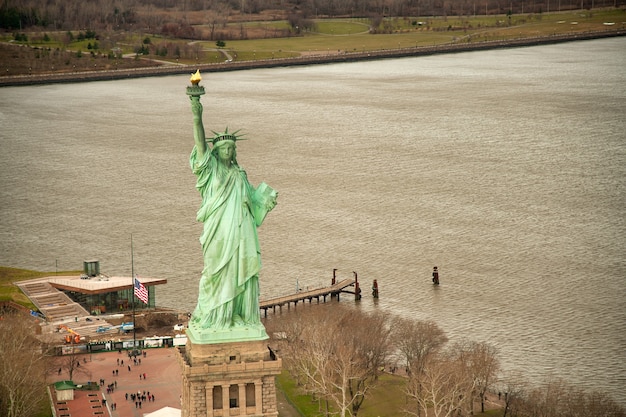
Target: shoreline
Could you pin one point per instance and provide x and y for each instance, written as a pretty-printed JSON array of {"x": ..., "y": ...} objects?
[{"x": 85, "y": 76}]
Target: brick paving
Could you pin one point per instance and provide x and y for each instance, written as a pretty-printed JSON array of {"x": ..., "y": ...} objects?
[{"x": 163, "y": 380}]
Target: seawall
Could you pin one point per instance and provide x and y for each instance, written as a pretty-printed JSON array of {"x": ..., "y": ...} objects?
[{"x": 70, "y": 77}]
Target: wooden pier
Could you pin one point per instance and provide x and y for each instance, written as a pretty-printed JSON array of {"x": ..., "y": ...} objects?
[{"x": 332, "y": 291}]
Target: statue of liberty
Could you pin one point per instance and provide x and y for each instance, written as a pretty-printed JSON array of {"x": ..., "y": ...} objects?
[{"x": 231, "y": 210}]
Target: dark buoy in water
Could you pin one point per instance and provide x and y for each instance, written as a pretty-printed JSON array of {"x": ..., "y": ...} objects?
[{"x": 375, "y": 289}]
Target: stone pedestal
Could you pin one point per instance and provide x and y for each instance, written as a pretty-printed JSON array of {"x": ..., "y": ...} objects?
[{"x": 229, "y": 379}]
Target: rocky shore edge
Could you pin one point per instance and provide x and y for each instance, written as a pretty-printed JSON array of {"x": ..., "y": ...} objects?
[{"x": 342, "y": 56}]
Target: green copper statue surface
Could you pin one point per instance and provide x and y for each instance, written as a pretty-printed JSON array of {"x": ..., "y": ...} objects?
[{"x": 231, "y": 210}]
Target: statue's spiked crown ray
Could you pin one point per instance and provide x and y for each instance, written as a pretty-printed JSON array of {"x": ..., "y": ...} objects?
[{"x": 225, "y": 135}]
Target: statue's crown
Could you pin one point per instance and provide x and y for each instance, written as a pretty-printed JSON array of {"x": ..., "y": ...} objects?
[
  {"x": 222, "y": 137},
  {"x": 226, "y": 135}
]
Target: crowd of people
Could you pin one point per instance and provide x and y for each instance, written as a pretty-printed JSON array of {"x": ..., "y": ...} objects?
[{"x": 140, "y": 397}]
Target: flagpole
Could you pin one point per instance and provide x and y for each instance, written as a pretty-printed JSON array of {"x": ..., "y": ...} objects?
[{"x": 132, "y": 273}]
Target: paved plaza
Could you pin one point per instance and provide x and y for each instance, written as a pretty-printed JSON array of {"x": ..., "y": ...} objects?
[{"x": 162, "y": 380}]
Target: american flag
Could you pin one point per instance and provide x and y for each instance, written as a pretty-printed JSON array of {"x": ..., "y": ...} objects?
[{"x": 140, "y": 291}]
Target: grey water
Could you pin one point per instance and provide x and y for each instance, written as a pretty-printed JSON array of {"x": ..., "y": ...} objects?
[{"x": 504, "y": 168}]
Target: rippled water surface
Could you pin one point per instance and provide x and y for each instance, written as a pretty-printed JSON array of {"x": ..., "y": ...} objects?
[{"x": 506, "y": 169}]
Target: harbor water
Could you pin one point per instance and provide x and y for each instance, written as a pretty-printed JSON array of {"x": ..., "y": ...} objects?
[{"x": 506, "y": 169}]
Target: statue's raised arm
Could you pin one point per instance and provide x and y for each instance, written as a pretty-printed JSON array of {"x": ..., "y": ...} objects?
[
  {"x": 198, "y": 126},
  {"x": 194, "y": 92}
]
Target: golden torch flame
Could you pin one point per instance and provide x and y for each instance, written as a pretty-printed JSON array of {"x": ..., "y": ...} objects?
[{"x": 196, "y": 78}]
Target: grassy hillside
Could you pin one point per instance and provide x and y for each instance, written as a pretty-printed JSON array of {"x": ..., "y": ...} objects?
[
  {"x": 10, "y": 292},
  {"x": 351, "y": 35}
]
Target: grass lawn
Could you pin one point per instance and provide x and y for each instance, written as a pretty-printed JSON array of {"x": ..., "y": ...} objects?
[
  {"x": 349, "y": 35},
  {"x": 387, "y": 398},
  {"x": 10, "y": 291}
]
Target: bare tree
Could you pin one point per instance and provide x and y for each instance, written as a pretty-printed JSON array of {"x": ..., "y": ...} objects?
[
  {"x": 335, "y": 353},
  {"x": 445, "y": 383},
  {"x": 416, "y": 340},
  {"x": 600, "y": 404},
  {"x": 70, "y": 362},
  {"x": 442, "y": 388},
  {"x": 545, "y": 400},
  {"x": 369, "y": 340},
  {"x": 22, "y": 368},
  {"x": 512, "y": 388},
  {"x": 483, "y": 366},
  {"x": 555, "y": 398}
]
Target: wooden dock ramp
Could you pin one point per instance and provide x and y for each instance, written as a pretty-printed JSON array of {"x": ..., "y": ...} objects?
[{"x": 323, "y": 293}]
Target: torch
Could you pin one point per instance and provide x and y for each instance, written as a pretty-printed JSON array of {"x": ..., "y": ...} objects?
[{"x": 194, "y": 91}]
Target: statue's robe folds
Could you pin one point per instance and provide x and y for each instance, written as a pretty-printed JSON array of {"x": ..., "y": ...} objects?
[{"x": 229, "y": 286}]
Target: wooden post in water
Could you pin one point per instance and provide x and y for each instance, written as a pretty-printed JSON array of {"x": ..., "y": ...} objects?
[{"x": 357, "y": 289}]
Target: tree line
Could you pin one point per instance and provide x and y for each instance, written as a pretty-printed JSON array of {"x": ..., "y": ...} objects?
[
  {"x": 28, "y": 366},
  {"x": 156, "y": 15},
  {"x": 337, "y": 355}
]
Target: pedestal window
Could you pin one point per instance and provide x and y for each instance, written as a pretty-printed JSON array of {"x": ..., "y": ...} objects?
[{"x": 217, "y": 398}]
